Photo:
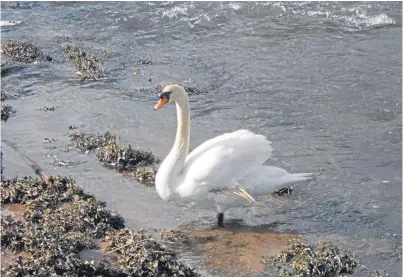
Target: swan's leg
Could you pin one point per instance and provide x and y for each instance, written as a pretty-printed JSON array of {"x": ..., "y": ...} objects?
[{"x": 220, "y": 219}]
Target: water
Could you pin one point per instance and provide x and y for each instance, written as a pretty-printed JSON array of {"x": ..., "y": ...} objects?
[{"x": 321, "y": 80}]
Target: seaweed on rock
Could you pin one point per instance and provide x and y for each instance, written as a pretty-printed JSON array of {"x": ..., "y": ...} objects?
[
  {"x": 140, "y": 163},
  {"x": 141, "y": 255},
  {"x": 23, "y": 51},
  {"x": 88, "y": 66},
  {"x": 3, "y": 96},
  {"x": 88, "y": 216},
  {"x": 6, "y": 110},
  {"x": 284, "y": 191},
  {"x": 28, "y": 190},
  {"x": 325, "y": 260},
  {"x": 60, "y": 220}
]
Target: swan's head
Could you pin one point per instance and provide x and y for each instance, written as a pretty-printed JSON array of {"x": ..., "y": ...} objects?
[{"x": 170, "y": 93}]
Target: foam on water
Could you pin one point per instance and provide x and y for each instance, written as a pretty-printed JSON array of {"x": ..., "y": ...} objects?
[
  {"x": 358, "y": 21},
  {"x": 176, "y": 11},
  {"x": 364, "y": 21},
  {"x": 354, "y": 16},
  {"x": 235, "y": 6}
]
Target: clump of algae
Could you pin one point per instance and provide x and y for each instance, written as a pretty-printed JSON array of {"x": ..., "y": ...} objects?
[
  {"x": 3, "y": 96},
  {"x": 325, "y": 260},
  {"x": 23, "y": 51},
  {"x": 138, "y": 162},
  {"x": 6, "y": 110},
  {"x": 142, "y": 255},
  {"x": 87, "y": 66},
  {"x": 60, "y": 220},
  {"x": 284, "y": 191}
]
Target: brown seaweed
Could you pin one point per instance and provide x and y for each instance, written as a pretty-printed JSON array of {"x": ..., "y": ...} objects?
[
  {"x": 1, "y": 166},
  {"x": 140, "y": 163},
  {"x": 284, "y": 191},
  {"x": 171, "y": 235},
  {"x": 85, "y": 216},
  {"x": 88, "y": 66},
  {"x": 145, "y": 174},
  {"x": 142, "y": 255},
  {"x": 60, "y": 220},
  {"x": 6, "y": 110},
  {"x": 32, "y": 190},
  {"x": 23, "y": 51},
  {"x": 324, "y": 260},
  {"x": 3, "y": 96},
  {"x": 53, "y": 233},
  {"x": 145, "y": 62}
]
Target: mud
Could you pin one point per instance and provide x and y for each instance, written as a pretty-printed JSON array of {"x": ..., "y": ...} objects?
[
  {"x": 16, "y": 210},
  {"x": 235, "y": 252}
]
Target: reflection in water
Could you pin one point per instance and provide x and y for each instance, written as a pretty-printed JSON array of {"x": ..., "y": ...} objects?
[
  {"x": 239, "y": 251},
  {"x": 99, "y": 254}
]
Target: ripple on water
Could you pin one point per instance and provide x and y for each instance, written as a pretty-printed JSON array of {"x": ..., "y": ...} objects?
[{"x": 382, "y": 115}]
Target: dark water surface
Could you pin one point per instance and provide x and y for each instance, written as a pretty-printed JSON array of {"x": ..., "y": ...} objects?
[{"x": 321, "y": 80}]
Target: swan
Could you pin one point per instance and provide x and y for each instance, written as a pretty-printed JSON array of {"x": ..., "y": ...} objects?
[{"x": 225, "y": 171}]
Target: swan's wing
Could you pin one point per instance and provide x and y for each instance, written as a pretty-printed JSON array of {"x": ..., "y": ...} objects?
[
  {"x": 201, "y": 149},
  {"x": 218, "y": 163}
]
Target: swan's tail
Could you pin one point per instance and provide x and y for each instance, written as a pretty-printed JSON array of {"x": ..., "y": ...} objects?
[
  {"x": 299, "y": 177},
  {"x": 267, "y": 179}
]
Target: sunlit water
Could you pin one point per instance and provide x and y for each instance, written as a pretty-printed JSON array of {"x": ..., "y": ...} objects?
[{"x": 321, "y": 80}]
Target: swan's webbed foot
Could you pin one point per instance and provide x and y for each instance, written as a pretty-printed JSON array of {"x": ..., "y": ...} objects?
[{"x": 220, "y": 219}]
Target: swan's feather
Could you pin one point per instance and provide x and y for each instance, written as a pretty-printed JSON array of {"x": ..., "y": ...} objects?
[
  {"x": 236, "y": 191},
  {"x": 219, "y": 163},
  {"x": 266, "y": 179}
]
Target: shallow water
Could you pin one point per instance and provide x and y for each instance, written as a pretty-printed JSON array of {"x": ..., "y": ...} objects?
[{"x": 321, "y": 80}]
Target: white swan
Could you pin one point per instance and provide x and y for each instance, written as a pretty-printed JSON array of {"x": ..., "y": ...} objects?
[{"x": 224, "y": 171}]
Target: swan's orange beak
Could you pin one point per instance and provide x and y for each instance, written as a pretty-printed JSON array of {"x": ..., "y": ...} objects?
[{"x": 161, "y": 103}]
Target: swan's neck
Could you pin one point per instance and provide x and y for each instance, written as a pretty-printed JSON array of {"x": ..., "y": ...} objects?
[
  {"x": 181, "y": 146},
  {"x": 168, "y": 174}
]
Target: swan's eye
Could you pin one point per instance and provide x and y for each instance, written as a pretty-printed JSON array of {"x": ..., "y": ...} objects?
[{"x": 165, "y": 94}]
